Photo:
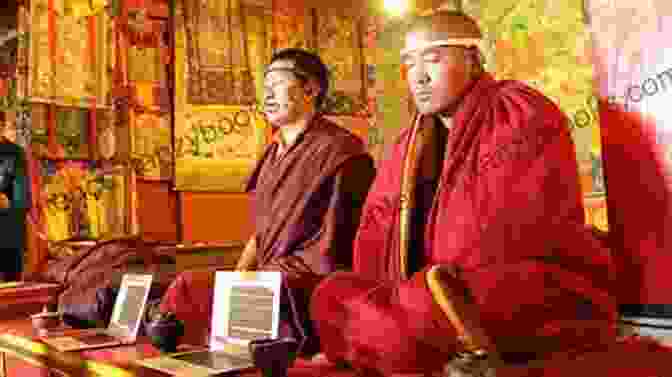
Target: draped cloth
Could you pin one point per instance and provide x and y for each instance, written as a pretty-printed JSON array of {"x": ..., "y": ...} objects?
[
  {"x": 507, "y": 214},
  {"x": 307, "y": 204},
  {"x": 217, "y": 53}
]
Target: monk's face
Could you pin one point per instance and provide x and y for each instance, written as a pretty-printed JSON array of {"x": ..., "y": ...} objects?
[
  {"x": 284, "y": 95},
  {"x": 437, "y": 75}
]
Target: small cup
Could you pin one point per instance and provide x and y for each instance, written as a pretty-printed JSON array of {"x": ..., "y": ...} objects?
[
  {"x": 165, "y": 335},
  {"x": 46, "y": 320}
]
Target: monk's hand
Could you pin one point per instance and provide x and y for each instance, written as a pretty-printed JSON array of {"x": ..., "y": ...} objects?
[
  {"x": 297, "y": 272},
  {"x": 280, "y": 264},
  {"x": 294, "y": 267}
]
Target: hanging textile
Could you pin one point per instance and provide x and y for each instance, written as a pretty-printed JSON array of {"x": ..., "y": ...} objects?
[
  {"x": 217, "y": 53},
  {"x": 339, "y": 42},
  {"x": 83, "y": 199},
  {"x": 69, "y": 61},
  {"x": 292, "y": 25},
  {"x": 64, "y": 41}
]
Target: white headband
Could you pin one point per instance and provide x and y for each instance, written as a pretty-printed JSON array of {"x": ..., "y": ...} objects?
[{"x": 464, "y": 42}]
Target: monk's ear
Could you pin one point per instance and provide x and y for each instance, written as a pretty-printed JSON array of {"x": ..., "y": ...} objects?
[
  {"x": 312, "y": 89},
  {"x": 475, "y": 57}
]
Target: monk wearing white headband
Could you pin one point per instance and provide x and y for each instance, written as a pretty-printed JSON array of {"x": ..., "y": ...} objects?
[{"x": 472, "y": 242}]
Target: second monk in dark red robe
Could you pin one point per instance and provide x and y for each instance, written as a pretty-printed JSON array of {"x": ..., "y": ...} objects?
[{"x": 307, "y": 190}]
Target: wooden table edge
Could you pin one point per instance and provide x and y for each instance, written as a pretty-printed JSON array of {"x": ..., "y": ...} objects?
[{"x": 40, "y": 354}]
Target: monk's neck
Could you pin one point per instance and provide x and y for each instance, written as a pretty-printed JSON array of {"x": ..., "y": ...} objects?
[
  {"x": 290, "y": 132},
  {"x": 446, "y": 120}
]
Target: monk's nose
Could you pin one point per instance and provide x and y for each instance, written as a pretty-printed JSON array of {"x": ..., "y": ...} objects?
[{"x": 422, "y": 78}]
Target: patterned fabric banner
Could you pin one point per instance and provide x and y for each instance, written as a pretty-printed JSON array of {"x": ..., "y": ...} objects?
[
  {"x": 339, "y": 43},
  {"x": 216, "y": 146},
  {"x": 82, "y": 199},
  {"x": 292, "y": 25},
  {"x": 71, "y": 131},
  {"x": 151, "y": 156},
  {"x": 72, "y": 78},
  {"x": 217, "y": 53}
]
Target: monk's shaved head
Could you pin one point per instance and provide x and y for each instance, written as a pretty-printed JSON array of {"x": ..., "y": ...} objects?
[
  {"x": 442, "y": 59},
  {"x": 443, "y": 26}
]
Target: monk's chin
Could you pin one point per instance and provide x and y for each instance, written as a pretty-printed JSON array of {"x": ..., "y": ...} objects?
[
  {"x": 427, "y": 110},
  {"x": 437, "y": 112}
]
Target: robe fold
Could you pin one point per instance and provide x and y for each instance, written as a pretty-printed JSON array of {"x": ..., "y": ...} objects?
[
  {"x": 506, "y": 213},
  {"x": 307, "y": 203}
]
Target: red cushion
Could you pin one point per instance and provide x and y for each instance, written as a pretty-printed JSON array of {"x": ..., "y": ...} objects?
[
  {"x": 190, "y": 298},
  {"x": 308, "y": 368}
]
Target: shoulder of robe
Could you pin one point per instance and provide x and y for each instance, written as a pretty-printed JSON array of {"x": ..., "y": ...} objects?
[
  {"x": 339, "y": 139},
  {"x": 394, "y": 154},
  {"x": 398, "y": 148},
  {"x": 388, "y": 170},
  {"x": 520, "y": 113}
]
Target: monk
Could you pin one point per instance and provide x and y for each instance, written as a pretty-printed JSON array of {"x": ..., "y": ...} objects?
[
  {"x": 307, "y": 190},
  {"x": 472, "y": 242}
]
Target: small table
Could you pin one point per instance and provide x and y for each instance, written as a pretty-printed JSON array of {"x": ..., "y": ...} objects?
[{"x": 118, "y": 361}]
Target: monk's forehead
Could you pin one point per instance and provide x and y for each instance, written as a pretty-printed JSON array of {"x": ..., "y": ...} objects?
[
  {"x": 285, "y": 64},
  {"x": 285, "y": 69},
  {"x": 440, "y": 28}
]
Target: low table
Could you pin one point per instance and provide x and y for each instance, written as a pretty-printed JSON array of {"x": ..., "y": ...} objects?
[{"x": 23, "y": 344}]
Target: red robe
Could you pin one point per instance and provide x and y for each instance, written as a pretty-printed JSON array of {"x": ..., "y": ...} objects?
[{"x": 507, "y": 213}]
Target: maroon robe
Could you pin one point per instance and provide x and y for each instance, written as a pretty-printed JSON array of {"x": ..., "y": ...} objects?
[
  {"x": 507, "y": 214},
  {"x": 307, "y": 203}
]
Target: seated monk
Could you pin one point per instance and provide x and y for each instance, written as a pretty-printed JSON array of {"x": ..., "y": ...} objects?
[
  {"x": 472, "y": 239},
  {"x": 307, "y": 190}
]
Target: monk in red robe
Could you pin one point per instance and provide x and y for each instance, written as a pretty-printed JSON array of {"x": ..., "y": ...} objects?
[
  {"x": 472, "y": 239},
  {"x": 307, "y": 190}
]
